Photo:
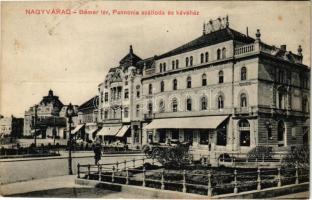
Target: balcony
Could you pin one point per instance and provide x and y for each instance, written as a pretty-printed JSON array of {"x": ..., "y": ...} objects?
[
  {"x": 149, "y": 116},
  {"x": 251, "y": 110},
  {"x": 113, "y": 121},
  {"x": 245, "y": 49},
  {"x": 150, "y": 71}
]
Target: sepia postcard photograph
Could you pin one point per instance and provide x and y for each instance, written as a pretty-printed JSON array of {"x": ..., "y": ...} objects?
[{"x": 155, "y": 99}]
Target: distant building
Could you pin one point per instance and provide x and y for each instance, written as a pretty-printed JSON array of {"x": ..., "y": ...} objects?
[
  {"x": 11, "y": 127},
  {"x": 47, "y": 118}
]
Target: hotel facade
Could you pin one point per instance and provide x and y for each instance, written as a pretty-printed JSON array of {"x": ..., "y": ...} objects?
[{"x": 224, "y": 92}]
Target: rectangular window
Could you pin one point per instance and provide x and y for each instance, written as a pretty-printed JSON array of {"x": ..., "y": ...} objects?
[
  {"x": 126, "y": 93},
  {"x": 204, "y": 137},
  {"x": 101, "y": 97},
  {"x": 221, "y": 136},
  {"x": 106, "y": 97},
  {"x": 105, "y": 114},
  {"x": 162, "y": 135},
  {"x": 138, "y": 94},
  {"x": 244, "y": 138},
  {"x": 204, "y": 82},
  {"x": 175, "y": 134},
  {"x": 293, "y": 132}
]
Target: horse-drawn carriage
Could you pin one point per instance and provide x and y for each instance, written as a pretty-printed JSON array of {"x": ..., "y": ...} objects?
[{"x": 173, "y": 153}]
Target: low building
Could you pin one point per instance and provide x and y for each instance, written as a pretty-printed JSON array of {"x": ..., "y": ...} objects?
[{"x": 11, "y": 127}]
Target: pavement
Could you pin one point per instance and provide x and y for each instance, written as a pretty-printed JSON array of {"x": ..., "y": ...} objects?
[
  {"x": 16, "y": 170},
  {"x": 299, "y": 195},
  {"x": 38, "y": 185}
]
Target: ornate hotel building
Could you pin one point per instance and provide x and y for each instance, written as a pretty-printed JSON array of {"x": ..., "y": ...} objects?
[{"x": 222, "y": 92}]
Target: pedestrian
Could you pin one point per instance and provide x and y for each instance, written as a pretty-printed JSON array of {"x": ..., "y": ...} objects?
[{"x": 97, "y": 153}]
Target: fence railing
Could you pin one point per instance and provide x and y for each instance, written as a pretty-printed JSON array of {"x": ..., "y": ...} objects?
[{"x": 207, "y": 181}]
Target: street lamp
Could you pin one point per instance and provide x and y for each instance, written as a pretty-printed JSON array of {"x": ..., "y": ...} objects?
[
  {"x": 35, "y": 124},
  {"x": 69, "y": 115}
]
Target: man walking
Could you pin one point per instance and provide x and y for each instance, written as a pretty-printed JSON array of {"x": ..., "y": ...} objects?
[{"x": 97, "y": 152}]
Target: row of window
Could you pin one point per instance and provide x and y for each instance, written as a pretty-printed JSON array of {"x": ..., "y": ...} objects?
[
  {"x": 189, "y": 81},
  {"x": 203, "y": 104},
  {"x": 221, "y": 54}
]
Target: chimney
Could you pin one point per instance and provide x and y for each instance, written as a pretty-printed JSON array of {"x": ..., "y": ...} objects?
[
  {"x": 247, "y": 31},
  {"x": 283, "y": 47}
]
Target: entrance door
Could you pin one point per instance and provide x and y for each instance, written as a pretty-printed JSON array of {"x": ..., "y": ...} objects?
[
  {"x": 281, "y": 133},
  {"x": 162, "y": 135}
]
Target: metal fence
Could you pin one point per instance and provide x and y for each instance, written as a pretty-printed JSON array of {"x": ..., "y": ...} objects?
[{"x": 129, "y": 173}]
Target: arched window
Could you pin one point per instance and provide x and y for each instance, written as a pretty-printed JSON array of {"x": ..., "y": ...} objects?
[
  {"x": 126, "y": 112},
  {"x": 218, "y": 54},
  {"x": 244, "y": 130},
  {"x": 177, "y": 64},
  {"x": 280, "y": 133},
  {"x": 221, "y": 76},
  {"x": 203, "y": 102},
  {"x": 189, "y": 82},
  {"x": 220, "y": 102},
  {"x": 173, "y": 64},
  {"x": 186, "y": 61},
  {"x": 175, "y": 84},
  {"x": 243, "y": 74},
  {"x": 206, "y": 57},
  {"x": 201, "y": 58},
  {"x": 150, "y": 89},
  {"x": 305, "y": 105},
  {"x": 160, "y": 67},
  {"x": 191, "y": 61},
  {"x": 137, "y": 112},
  {"x": 243, "y": 100},
  {"x": 162, "y": 86},
  {"x": 189, "y": 104},
  {"x": 161, "y": 106},
  {"x": 223, "y": 52},
  {"x": 150, "y": 109},
  {"x": 174, "y": 105},
  {"x": 138, "y": 91},
  {"x": 164, "y": 67},
  {"x": 204, "y": 80}
]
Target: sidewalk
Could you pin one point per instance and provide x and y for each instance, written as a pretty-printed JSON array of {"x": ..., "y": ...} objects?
[
  {"x": 67, "y": 181},
  {"x": 64, "y": 155}
]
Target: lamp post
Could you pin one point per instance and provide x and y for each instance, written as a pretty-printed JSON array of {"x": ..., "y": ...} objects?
[
  {"x": 69, "y": 115},
  {"x": 35, "y": 125}
]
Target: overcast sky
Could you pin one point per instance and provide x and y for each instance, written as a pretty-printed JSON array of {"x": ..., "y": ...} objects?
[{"x": 72, "y": 54}]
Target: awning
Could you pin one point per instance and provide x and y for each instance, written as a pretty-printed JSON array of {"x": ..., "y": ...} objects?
[
  {"x": 109, "y": 131},
  {"x": 78, "y": 127},
  {"x": 208, "y": 122},
  {"x": 123, "y": 131}
]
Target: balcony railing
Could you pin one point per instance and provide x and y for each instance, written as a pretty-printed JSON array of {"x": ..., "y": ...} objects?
[
  {"x": 245, "y": 110},
  {"x": 245, "y": 49},
  {"x": 112, "y": 120},
  {"x": 149, "y": 116}
]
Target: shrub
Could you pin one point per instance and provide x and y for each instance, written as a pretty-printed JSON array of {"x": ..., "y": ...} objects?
[
  {"x": 260, "y": 152},
  {"x": 299, "y": 155}
]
